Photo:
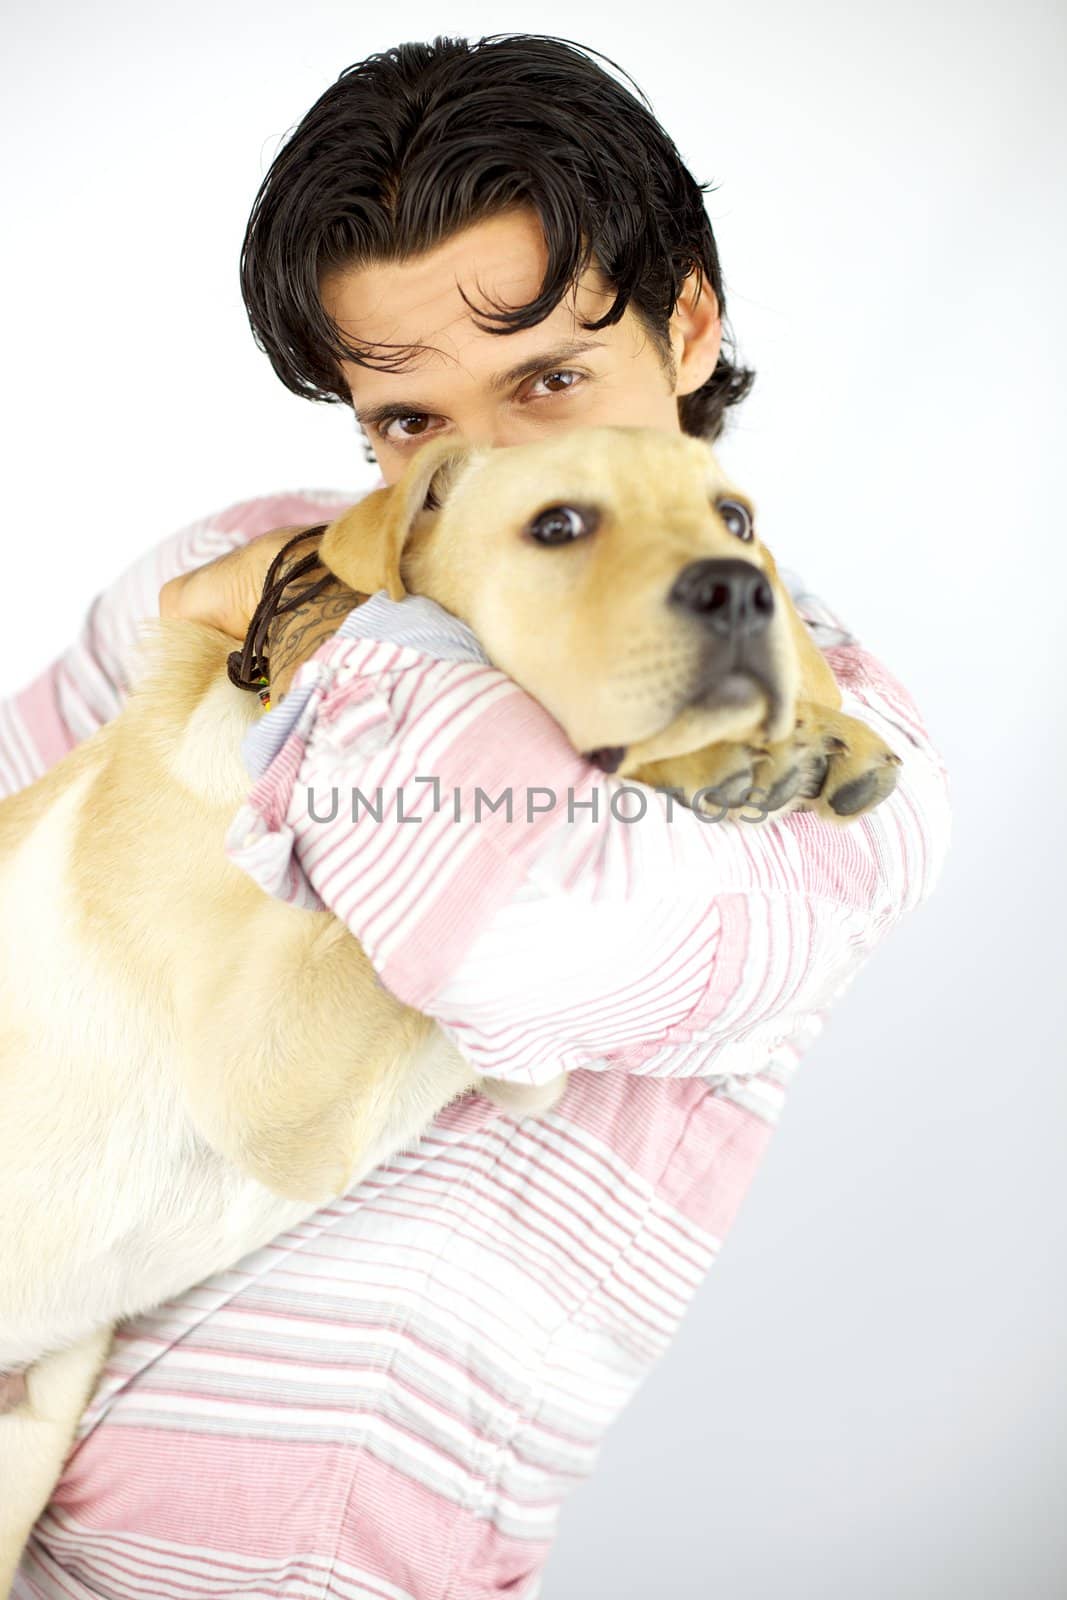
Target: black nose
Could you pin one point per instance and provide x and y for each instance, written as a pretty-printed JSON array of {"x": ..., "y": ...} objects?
[{"x": 733, "y": 598}]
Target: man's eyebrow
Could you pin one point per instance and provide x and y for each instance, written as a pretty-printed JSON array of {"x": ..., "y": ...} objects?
[
  {"x": 538, "y": 363},
  {"x": 369, "y": 416}
]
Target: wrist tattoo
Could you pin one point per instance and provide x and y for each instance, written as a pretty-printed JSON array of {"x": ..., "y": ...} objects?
[{"x": 295, "y": 636}]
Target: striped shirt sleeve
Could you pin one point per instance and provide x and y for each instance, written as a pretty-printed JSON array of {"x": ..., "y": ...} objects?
[
  {"x": 87, "y": 684},
  {"x": 552, "y": 918}
]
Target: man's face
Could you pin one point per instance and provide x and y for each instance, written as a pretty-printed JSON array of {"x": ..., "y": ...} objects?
[{"x": 492, "y": 389}]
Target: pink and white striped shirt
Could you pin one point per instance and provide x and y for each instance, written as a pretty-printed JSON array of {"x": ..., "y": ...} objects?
[{"x": 392, "y": 1399}]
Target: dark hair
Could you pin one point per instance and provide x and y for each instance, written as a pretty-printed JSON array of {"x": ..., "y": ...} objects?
[{"x": 419, "y": 141}]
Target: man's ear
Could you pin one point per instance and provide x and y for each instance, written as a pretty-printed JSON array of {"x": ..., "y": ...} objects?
[
  {"x": 364, "y": 546},
  {"x": 695, "y": 333}
]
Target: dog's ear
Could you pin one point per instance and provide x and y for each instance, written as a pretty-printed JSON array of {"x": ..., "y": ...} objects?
[{"x": 364, "y": 546}]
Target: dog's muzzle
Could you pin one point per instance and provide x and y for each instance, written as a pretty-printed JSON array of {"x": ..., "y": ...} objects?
[{"x": 733, "y": 604}]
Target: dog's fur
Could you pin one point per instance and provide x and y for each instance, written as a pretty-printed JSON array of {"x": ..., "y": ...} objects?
[{"x": 187, "y": 1066}]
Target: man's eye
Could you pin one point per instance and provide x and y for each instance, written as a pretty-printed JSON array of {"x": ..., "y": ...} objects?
[
  {"x": 412, "y": 426},
  {"x": 573, "y": 379}
]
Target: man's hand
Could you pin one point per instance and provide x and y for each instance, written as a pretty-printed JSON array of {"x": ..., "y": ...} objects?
[{"x": 224, "y": 593}]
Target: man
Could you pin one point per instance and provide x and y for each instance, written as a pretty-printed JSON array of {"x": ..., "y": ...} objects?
[{"x": 491, "y": 242}]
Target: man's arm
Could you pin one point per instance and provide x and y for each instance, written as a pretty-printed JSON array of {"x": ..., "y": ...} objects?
[
  {"x": 87, "y": 684},
  {"x": 666, "y": 945}
]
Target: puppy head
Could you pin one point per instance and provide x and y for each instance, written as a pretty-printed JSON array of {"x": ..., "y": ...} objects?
[{"x": 614, "y": 573}]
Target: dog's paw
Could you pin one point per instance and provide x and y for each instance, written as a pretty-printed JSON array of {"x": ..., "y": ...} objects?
[{"x": 831, "y": 764}]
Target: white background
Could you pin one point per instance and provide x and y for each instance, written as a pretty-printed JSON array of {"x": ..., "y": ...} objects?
[{"x": 866, "y": 1397}]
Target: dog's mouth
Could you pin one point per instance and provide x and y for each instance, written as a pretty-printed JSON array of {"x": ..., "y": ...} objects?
[
  {"x": 735, "y": 690},
  {"x": 609, "y": 757},
  {"x": 738, "y": 690},
  {"x": 736, "y": 675},
  {"x": 741, "y": 689},
  {"x": 733, "y": 681}
]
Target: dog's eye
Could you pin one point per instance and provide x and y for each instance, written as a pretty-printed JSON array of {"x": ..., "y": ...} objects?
[
  {"x": 737, "y": 517},
  {"x": 562, "y": 524}
]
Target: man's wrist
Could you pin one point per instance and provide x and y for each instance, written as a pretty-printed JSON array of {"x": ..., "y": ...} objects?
[{"x": 294, "y": 637}]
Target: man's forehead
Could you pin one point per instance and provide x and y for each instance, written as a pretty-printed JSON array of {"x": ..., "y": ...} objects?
[
  {"x": 418, "y": 303},
  {"x": 439, "y": 333}
]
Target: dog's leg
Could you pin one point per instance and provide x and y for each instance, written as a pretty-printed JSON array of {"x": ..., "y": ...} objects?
[
  {"x": 831, "y": 764},
  {"x": 35, "y": 1440}
]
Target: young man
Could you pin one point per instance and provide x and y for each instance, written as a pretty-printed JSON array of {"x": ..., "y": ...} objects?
[{"x": 392, "y": 1399}]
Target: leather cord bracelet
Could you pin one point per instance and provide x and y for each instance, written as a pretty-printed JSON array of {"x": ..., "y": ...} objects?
[{"x": 249, "y": 667}]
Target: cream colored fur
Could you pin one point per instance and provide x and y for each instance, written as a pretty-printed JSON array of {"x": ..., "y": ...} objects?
[{"x": 188, "y": 1067}]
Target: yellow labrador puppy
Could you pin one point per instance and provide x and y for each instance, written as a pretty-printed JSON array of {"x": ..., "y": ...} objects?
[{"x": 152, "y": 1127}]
